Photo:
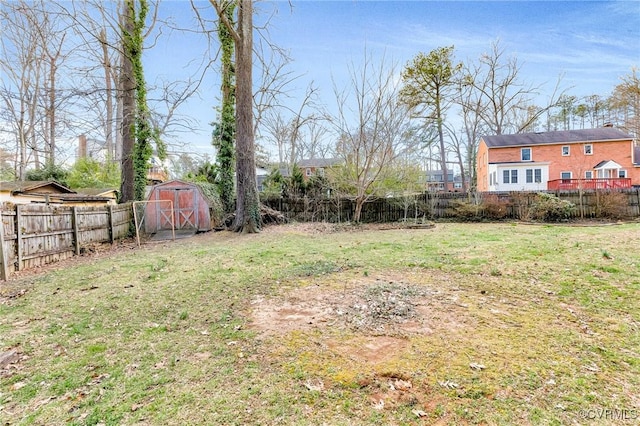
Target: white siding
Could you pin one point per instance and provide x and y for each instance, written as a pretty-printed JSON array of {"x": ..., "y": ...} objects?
[{"x": 521, "y": 170}]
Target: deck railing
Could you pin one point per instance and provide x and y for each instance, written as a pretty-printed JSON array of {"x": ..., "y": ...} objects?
[{"x": 588, "y": 184}]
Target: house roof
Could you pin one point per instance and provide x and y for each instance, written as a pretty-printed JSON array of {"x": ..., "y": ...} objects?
[
  {"x": 319, "y": 162},
  {"x": 603, "y": 134},
  {"x": 16, "y": 187}
]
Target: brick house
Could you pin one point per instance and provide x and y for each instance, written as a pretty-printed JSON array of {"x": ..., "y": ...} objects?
[
  {"x": 603, "y": 158},
  {"x": 434, "y": 181},
  {"x": 317, "y": 166}
]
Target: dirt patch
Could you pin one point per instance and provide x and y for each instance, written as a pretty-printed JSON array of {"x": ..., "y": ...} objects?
[
  {"x": 371, "y": 349},
  {"x": 381, "y": 306}
]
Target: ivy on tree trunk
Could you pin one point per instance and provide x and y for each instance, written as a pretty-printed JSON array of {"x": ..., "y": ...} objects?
[
  {"x": 225, "y": 129},
  {"x": 136, "y": 122}
]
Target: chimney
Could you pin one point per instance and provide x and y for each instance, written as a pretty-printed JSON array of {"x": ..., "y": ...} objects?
[{"x": 82, "y": 146}]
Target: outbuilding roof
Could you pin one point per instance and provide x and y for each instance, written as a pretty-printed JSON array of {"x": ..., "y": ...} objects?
[
  {"x": 16, "y": 187},
  {"x": 558, "y": 137}
]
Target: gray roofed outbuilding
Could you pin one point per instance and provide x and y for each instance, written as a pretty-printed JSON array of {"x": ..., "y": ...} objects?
[{"x": 557, "y": 137}]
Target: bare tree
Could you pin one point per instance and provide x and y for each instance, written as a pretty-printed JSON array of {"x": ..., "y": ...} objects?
[
  {"x": 372, "y": 127},
  {"x": 21, "y": 61},
  {"x": 498, "y": 96},
  {"x": 287, "y": 133},
  {"x": 33, "y": 53},
  {"x": 625, "y": 101}
]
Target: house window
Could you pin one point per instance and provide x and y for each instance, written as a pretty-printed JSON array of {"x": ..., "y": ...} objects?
[
  {"x": 505, "y": 176},
  {"x": 514, "y": 176},
  {"x": 320, "y": 171},
  {"x": 565, "y": 150},
  {"x": 588, "y": 174},
  {"x": 308, "y": 171},
  {"x": 490, "y": 179},
  {"x": 588, "y": 149},
  {"x": 534, "y": 175},
  {"x": 526, "y": 154},
  {"x": 622, "y": 173},
  {"x": 565, "y": 176}
]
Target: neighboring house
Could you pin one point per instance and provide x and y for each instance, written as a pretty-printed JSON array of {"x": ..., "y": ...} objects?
[
  {"x": 435, "y": 181},
  {"x": 603, "y": 158},
  {"x": 97, "y": 150},
  {"x": 92, "y": 148},
  {"x": 261, "y": 175},
  {"x": 317, "y": 166},
  {"x": 46, "y": 192}
]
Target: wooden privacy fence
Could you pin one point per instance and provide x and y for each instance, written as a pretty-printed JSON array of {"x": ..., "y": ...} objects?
[
  {"x": 34, "y": 235},
  {"x": 589, "y": 204}
]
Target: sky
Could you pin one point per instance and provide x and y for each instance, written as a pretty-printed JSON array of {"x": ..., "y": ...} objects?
[{"x": 590, "y": 44}]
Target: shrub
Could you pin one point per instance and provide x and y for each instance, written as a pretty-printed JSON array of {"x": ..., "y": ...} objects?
[
  {"x": 521, "y": 204},
  {"x": 494, "y": 207},
  {"x": 610, "y": 204},
  {"x": 549, "y": 208},
  {"x": 488, "y": 206}
]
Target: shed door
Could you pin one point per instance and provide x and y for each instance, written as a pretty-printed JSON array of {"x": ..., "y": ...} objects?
[{"x": 185, "y": 207}]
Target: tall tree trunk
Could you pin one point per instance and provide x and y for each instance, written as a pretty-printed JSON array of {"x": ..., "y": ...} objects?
[
  {"x": 224, "y": 133},
  {"x": 443, "y": 152},
  {"x": 248, "y": 202},
  {"x": 127, "y": 92},
  {"x": 108, "y": 128}
]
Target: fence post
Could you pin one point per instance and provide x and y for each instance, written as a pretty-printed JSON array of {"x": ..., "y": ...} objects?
[
  {"x": 76, "y": 234},
  {"x": 18, "y": 237},
  {"x": 4, "y": 267},
  {"x": 111, "y": 230}
]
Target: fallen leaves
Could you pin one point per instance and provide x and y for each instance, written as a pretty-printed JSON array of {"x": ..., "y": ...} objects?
[
  {"x": 401, "y": 385},
  {"x": 314, "y": 385},
  {"x": 448, "y": 384},
  {"x": 419, "y": 413}
]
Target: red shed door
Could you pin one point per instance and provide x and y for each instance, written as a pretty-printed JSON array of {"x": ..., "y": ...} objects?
[{"x": 185, "y": 207}]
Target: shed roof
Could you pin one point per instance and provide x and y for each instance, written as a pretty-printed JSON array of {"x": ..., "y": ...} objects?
[
  {"x": 558, "y": 137},
  {"x": 206, "y": 190},
  {"x": 32, "y": 186},
  {"x": 98, "y": 191}
]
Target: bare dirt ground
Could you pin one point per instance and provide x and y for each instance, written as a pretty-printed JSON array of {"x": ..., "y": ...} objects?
[{"x": 382, "y": 305}]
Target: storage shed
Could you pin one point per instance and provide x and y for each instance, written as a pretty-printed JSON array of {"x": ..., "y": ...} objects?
[{"x": 192, "y": 210}]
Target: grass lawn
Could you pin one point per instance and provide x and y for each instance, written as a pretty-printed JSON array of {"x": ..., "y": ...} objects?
[{"x": 317, "y": 324}]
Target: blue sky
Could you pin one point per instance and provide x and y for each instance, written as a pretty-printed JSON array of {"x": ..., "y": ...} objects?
[{"x": 590, "y": 43}]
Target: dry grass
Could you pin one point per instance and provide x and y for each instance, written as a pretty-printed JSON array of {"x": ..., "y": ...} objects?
[{"x": 460, "y": 324}]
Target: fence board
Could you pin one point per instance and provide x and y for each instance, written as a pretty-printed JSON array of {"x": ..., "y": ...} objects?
[
  {"x": 34, "y": 235},
  {"x": 436, "y": 205}
]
